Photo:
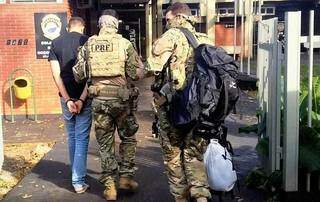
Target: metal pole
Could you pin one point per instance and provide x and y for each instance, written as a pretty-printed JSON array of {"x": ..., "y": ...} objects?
[
  {"x": 242, "y": 31},
  {"x": 33, "y": 97},
  {"x": 235, "y": 29},
  {"x": 249, "y": 52},
  {"x": 139, "y": 36},
  {"x": 278, "y": 65},
  {"x": 154, "y": 22},
  {"x": 291, "y": 111},
  {"x": 273, "y": 72},
  {"x": 250, "y": 40},
  {"x": 308, "y": 182},
  {"x": 311, "y": 34},
  {"x": 253, "y": 14},
  {"x": 159, "y": 17},
  {"x": 210, "y": 18},
  {"x": 149, "y": 29},
  {"x": 259, "y": 7},
  {"x": 260, "y": 65},
  {"x": 11, "y": 98}
]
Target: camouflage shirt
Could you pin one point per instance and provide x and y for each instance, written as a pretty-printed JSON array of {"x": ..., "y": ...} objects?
[
  {"x": 173, "y": 48},
  {"x": 108, "y": 58}
]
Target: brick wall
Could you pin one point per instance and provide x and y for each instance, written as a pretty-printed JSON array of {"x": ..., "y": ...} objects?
[
  {"x": 224, "y": 35},
  {"x": 17, "y": 22}
]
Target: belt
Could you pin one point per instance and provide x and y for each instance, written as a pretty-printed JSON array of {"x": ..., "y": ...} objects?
[{"x": 109, "y": 92}]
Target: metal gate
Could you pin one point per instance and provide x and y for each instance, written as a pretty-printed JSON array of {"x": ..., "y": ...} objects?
[{"x": 276, "y": 83}]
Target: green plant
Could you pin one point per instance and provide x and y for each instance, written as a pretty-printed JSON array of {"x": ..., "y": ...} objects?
[
  {"x": 304, "y": 71},
  {"x": 262, "y": 146},
  {"x": 271, "y": 184},
  {"x": 256, "y": 178},
  {"x": 309, "y": 146},
  {"x": 309, "y": 138},
  {"x": 315, "y": 115},
  {"x": 309, "y": 149}
]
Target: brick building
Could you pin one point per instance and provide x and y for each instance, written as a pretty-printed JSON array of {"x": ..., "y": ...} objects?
[
  {"x": 23, "y": 40},
  {"x": 24, "y": 43},
  {"x": 18, "y": 50}
]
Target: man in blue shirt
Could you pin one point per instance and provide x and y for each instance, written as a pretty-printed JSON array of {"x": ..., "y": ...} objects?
[{"x": 76, "y": 108}]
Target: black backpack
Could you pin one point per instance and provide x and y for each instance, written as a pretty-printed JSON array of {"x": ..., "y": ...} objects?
[{"x": 212, "y": 91}]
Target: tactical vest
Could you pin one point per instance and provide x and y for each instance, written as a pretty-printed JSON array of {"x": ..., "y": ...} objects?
[{"x": 106, "y": 55}]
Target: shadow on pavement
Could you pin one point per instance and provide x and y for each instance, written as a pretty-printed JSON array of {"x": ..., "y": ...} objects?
[{"x": 59, "y": 174}]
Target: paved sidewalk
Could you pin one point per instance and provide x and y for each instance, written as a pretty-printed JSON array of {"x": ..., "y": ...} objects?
[
  {"x": 50, "y": 179},
  {"x": 48, "y": 128}
]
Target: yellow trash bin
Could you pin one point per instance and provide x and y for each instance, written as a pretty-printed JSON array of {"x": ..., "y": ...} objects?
[{"x": 22, "y": 87}]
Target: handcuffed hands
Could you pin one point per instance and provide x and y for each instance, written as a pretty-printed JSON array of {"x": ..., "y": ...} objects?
[
  {"x": 74, "y": 106},
  {"x": 79, "y": 105}
]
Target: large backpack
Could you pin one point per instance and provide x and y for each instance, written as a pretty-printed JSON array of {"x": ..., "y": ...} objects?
[{"x": 212, "y": 91}]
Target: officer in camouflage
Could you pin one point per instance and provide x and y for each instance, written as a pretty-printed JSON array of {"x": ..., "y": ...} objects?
[
  {"x": 108, "y": 59},
  {"x": 182, "y": 151}
]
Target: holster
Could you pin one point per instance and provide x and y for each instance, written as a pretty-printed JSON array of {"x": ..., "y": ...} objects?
[
  {"x": 134, "y": 95},
  {"x": 108, "y": 91},
  {"x": 159, "y": 99}
]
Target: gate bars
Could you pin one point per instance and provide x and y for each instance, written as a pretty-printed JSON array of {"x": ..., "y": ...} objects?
[{"x": 270, "y": 92}]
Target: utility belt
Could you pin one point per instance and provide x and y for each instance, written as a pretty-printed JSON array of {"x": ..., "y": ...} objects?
[{"x": 109, "y": 92}]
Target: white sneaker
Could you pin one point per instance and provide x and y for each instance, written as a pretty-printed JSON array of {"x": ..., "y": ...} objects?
[{"x": 81, "y": 189}]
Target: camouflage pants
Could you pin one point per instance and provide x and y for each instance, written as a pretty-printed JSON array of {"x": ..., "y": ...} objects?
[
  {"x": 183, "y": 159},
  {"x": 108, "y": 116}
]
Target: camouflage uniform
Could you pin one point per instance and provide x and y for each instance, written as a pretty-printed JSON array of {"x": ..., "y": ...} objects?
[
  {"x": 182, "y": 152},
  {"x": 110, "y": 58}
]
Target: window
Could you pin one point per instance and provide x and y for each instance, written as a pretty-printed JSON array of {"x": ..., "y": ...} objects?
[
  {"x": 231, "y": 10},
  {"x": 194, "y": 12},
  {"x": 226, "y": 11},
  {"x": 2, "y": 1},
  {"x": 268, "y": 11},
  {"x": 26, "y": 1},
  {"x": 223, "y": 11}
]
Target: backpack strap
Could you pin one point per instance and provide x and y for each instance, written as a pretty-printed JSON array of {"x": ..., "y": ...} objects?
[{"x": 191, "y": 38}]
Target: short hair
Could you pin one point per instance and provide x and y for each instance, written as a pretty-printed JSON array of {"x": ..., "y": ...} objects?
[
  {"x": 110, "y": 12},
  {"x": 76, "y": 21},
  {"x": 179, "y": 8}
]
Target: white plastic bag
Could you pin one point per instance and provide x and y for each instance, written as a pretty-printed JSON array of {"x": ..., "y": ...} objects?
[{"x": 218, "y": 163}]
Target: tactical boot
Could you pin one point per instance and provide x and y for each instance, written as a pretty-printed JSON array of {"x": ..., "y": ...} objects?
[
  {"x": 128, "y": 184},
  {"x": 110, "y": 193},
  {"x": 202, "y": 199}
]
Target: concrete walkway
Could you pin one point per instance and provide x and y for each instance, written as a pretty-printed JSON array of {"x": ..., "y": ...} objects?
[{"x": 50, "y": 179}]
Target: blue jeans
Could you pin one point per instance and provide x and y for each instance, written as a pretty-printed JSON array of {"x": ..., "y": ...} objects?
[{"x": 78, "y": 129}]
